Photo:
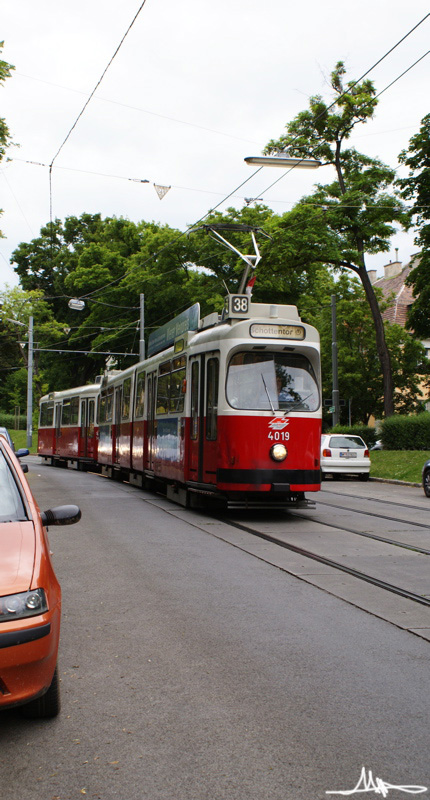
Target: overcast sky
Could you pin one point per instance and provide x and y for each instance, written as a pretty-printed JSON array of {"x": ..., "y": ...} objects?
[{"x": 195, "y": 87}]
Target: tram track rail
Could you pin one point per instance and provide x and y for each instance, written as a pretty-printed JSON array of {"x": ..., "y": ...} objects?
[
  {"x": 373, "y": 514},
  {"x": 380, "y": 500},
  {"x": 420, "y": 599},
  {"x": 375, "y": 581},
  {"x": 395, "y": 589},
  {"x": 367, "y": 535}
]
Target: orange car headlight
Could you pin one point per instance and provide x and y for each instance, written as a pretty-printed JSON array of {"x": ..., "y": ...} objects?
[{"x": 24, "y": 604}]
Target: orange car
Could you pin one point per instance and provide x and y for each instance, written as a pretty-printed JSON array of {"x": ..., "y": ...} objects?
[{"x": 30, "y": 595}]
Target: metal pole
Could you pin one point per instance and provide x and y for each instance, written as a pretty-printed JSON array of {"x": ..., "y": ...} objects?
[
  {"x": 142, "y": 328},
  {"x": 335, "y": 392},
  {"x": 30, "y": 385}
]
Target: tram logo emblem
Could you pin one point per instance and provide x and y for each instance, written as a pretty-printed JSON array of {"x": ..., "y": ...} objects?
[{"x": 278, "y": 424}]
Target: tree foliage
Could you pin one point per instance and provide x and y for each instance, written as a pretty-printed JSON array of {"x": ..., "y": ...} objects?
[
  {"x": 417, "y": 187},
  {"x": 355, "y": 213},
  {"x": 17, "y": 306},
  {"x": 360, "y": 378},
  {"x": 110, "y": 262}
]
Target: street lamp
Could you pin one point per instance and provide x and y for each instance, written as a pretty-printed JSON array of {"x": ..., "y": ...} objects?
[
  {"x": 282, "y": 161},
  {"x": 76, "y": 304}
]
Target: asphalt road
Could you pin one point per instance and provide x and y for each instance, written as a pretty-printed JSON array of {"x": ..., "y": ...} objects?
[{"x": 192, "y": 670}]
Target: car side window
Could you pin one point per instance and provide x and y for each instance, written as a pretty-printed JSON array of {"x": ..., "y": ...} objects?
[{"x": 11, "y": 504}]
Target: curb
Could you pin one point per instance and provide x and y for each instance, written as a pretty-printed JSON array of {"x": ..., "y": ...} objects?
[{"x": 400, "y": 483}]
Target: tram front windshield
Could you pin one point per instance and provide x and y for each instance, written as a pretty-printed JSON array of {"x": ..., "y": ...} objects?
[{"x": 272, "y": 381}]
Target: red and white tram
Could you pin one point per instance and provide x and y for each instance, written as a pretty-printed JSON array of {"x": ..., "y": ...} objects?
[
  {"x": 67, "y": 431},
  {"x": 227, "y": 407}
]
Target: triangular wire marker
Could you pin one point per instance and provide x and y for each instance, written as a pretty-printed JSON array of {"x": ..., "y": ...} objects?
[{"x": 161, "y": 190}]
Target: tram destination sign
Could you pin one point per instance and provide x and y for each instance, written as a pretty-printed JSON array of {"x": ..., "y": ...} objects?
[
  {"x": 165, "y": 336},
  {"x": 271, "y": 331}
]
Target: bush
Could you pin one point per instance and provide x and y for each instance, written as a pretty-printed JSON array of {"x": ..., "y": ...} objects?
[
  {"x": 406, "y": 432},
  {"x": 370, "y": 435},
  {"x": 8, "y": 421}
]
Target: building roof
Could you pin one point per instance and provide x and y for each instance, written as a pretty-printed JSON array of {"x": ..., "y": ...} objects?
[{"x": 394, "y": 289}]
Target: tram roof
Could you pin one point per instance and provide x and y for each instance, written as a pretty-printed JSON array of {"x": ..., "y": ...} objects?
[{"x": 88, "y": 390}]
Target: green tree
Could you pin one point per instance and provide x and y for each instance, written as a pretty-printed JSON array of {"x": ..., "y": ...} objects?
[
  {"x": 110, "y": 262},
  {"x": 17, "y": 306},
  {"x": 360, "y": 379},
  {"x": 352, "y": 216},
  {"x": 417, "y": 187}
]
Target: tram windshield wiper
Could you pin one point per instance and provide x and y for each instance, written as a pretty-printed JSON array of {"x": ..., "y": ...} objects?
[{"x": 268, "y": 395}]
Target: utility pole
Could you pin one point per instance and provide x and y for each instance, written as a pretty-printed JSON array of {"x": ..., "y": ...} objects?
[
  {"x": 30, "y": 384},
  {"x": 142, "y": 328},
  {"x": 335, "y": 388},
  {"x": 30, "y": 357}
]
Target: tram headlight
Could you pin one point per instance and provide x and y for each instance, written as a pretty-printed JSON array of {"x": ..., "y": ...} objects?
[{"x": 278, "y": 452}]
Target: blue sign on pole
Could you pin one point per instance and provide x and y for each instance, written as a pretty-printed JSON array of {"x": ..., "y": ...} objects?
[{"x": 165, "y": 336}]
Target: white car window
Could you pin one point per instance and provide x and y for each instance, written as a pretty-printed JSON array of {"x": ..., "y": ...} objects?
[{"x": 352, "y": 442}]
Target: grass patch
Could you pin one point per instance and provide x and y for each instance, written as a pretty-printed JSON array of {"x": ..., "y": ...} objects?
[
  {"x": 400, "y": 465},
  {"x": 19, "y": 439}
]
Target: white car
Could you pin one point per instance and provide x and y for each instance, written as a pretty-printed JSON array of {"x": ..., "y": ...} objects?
[{"x": 344, "y": 454}]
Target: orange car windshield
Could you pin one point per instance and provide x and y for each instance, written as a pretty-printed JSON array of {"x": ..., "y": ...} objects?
[{"x": 11, "y": 505}]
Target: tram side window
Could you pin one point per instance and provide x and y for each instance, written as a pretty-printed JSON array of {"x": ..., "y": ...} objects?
[
  {"x": 194, "y": 400},
  {"x": 58, "y": 420},
  {"x": 105, "y": 407},
  {"x": 70, "y": 411},
  {"x": 177, "y": 385},
  {"x": 212, "y": 399},
  {"x": 163, "y": 390},
  {"x": 91, "y": 417},
  {"x": 139, "y": 404},
  {"x": 46, "y": 415},
  {"x": 126, "y": 397}
]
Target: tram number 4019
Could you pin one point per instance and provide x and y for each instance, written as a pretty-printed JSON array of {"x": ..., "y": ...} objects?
[
  {"x": 279, "y": 436},
  {"x": 237, "y": 305}
]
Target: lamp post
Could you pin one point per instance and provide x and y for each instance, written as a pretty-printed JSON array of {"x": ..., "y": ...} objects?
[
  {"x": 284, "y": 161},
  {"x": 335, "y": 385},
  {"x": 30, "y": 357}
]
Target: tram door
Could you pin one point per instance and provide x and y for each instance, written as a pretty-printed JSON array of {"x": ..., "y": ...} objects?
[
  {"x": 151, "y": 421},
  {"x": 117, "y": 427},
  {"x": 58, "y": 410},
  {"x": 86, "y": 449},
  {"x": 90, "y": 437},
  {"x": 203, "y": 439},
  {"x": 195, "y": 460},
  {"x": 83, "y": 445}
]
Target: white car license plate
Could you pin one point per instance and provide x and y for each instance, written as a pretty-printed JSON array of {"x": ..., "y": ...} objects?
[{"x": 347, "y": 454}]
